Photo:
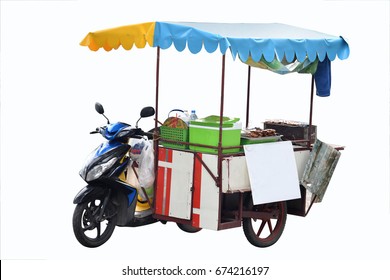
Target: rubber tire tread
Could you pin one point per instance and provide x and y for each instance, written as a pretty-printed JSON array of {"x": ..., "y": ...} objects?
[{"x": 78, "y": 232}]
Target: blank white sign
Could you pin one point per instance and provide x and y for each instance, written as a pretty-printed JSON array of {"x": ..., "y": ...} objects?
[{"x": 272, "y": 172}]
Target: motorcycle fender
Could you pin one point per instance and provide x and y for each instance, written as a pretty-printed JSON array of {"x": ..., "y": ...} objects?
[
  {"x": 87, "y": 192},
  {"x": 125, "y": 196}
]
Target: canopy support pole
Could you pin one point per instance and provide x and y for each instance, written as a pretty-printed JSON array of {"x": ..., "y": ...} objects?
[
  {"x": 219, "y": 166},
  {"x": 221, "y": 122},
  {"x": 311, "y": 111},
  {"x": 248, "y": 90},
  {"x": 156, "y": 134},
  {"x": 157, "y": 86}
]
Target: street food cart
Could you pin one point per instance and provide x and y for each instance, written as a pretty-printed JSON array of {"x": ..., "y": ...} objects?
[{"x": 224, "y": 175}]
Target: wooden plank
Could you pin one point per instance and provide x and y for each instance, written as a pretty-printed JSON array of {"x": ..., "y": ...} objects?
[{"x": 319, "y": 169}]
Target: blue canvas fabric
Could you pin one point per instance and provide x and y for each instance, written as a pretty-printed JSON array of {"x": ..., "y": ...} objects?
[
  {"x": 271, "y": 46},
  {"x": 323, "y": 78},
  {"x": 257, "y": 40}
]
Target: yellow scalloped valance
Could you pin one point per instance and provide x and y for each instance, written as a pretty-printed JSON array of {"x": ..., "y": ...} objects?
[{"x": 125, "y": 36}]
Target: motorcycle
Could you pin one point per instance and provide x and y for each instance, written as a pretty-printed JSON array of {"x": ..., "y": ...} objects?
[{"x": 108, "y": 200}]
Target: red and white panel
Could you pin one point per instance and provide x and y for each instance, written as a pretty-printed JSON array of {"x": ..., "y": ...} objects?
[
  {"x": 185, "y": 190},
  {"x": 206, "y": 194},
  {"x": 174, "y": 184}
]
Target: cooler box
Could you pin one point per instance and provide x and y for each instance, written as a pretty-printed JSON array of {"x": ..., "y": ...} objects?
[{"x": 206, "y": 131}]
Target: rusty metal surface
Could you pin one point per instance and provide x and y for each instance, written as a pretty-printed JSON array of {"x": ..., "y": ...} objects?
[{"x": 298, "y": 134}]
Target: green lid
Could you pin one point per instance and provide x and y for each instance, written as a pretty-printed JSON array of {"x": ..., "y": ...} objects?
[{"x": 214, "y": 121}]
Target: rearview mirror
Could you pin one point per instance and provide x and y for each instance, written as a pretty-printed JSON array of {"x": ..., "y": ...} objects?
[
  {"x": 99, "y": 108},
  {"x": 147, "y": 112}
]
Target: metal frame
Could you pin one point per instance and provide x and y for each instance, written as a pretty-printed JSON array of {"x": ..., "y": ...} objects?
[{"x": 218, "y": 177}]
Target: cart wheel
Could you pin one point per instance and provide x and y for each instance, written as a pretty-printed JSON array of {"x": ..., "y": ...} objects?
[
  {"x": 268, "y": 226},
  {"x": 188, "y": 228}
]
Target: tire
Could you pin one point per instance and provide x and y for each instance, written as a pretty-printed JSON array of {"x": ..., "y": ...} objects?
[
  {"x": 88, "y": 230},
  {"x": 266, "y": 231},
  {"x": 188, "y": 228}
]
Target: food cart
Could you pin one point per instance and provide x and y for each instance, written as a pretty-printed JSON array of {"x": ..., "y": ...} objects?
[{"x": 217, "y": 175}]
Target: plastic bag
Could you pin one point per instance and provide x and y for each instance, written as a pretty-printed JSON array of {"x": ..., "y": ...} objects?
[
  {"x": 137, "y": 146},
  {"x": 142, "y": 177},
  {"x": 146, "y": 174}
]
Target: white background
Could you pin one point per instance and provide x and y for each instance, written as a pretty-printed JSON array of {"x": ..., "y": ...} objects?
[{"x": 49, "y": 85}]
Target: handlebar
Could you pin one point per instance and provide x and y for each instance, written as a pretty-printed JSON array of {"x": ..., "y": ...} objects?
[
  {"x": 137, "y": 133},
  {"x": 149, "y": 135},
  {"x": 97, "y": 130}
]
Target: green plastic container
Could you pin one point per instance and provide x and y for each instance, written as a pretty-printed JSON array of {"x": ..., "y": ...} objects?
[
  {"x": 213, "y": 121},
  {"x": 176, "y": 134},
  {"x": 206, "y": 131}
]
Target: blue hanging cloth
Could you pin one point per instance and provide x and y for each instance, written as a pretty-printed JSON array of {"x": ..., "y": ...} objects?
[{"x": 323, "y": 77}]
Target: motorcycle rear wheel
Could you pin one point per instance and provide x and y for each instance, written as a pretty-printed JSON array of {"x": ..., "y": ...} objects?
[{"x": 89, "y": 230}]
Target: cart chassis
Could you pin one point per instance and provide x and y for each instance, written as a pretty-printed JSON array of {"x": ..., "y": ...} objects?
[{"x": 240, "y": 210}]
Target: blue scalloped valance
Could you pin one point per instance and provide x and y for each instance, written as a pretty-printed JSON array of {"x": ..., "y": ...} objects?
[{"x": 254, "y": 40}]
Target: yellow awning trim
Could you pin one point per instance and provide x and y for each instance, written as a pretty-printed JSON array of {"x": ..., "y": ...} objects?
[{"x": 125, "y": 36}]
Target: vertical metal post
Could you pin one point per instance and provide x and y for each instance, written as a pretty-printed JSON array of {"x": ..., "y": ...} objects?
[
  {"x": 219, "y": 166},
  {"x": 311, "y": 111},
  {"x": 221, "y": 122},
  {"x": 156, "y": 123},
  {"x": 248, "y": 90},
  {"x": 157, "y": 86}
]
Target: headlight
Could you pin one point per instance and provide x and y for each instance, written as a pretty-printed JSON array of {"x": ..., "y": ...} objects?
[
  {"x": 99, "y": 170},
  {"x": 87, "y": 161},
  {"x": 122, "y": 134}
]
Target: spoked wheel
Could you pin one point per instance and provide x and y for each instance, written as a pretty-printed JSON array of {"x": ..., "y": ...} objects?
[
  {"x": 265, "y": 223},
  {"x": 90, "y": 227},
  {"x": 188, "y": 228}
]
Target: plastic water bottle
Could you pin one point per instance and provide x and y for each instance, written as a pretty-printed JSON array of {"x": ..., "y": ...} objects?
[
  {"x": 193, "y": 115},
  {"x": 186, "y": 117}
]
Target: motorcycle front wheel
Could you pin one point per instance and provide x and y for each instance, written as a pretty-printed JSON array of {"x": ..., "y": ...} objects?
[{"x": 90, "y": 227}]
